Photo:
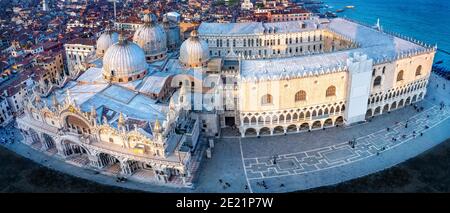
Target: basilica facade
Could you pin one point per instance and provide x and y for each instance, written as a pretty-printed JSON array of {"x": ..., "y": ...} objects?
[{"x": 142, "y": 105}]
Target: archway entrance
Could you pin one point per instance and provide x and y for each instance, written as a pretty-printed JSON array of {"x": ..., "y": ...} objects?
[
  {"x": 264, "y": 131},
  {"x": 110, "y": 163},
  {"x": 75, "y": 153},
  {"x": 229, "y": 121},
  {"x": 316, "y": 124},
  {"x": 250, "y": 131},
  {"x": 34, "y": 139},
  {"x": 377, "y": 111},
  {"x": 394, "y": 106},
  {"x": 292, "y": 128},
  {"x": 408, "y": 101},
  {"x": 77, "y": 125},
  {"x": 414, "y": 99},
  {"x": 144, "y": 171},
  {"x": 278, "y": 130},
  {"x": 400, "y": 103},
  {"x": 328, "y": 123},
  {"x": 304, "y": 127},
  {"x": 339, "y": 120},
  {"x": 369, "y": 113},
  {"x": 386, "y": 108},
  {"x": 49, "y": 143}
]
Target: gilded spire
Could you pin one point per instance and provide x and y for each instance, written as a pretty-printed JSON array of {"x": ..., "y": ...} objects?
[
  {"x": 121, "y": 121},
  {"x": 157, "y": 126}
]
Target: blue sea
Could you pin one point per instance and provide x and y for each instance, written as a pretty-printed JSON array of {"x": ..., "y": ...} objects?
[{"x": 424, "y": 20}]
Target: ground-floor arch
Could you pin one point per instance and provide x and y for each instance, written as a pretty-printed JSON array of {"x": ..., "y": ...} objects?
[
  {"x": 386, "y": 108},
  {"x": 72, "y": 148},
  {"x": 316, "y": 124},
  {"x": 34, "y": 136},
  {"x": 377, "y": 111},
  {"x": 328, "y": 123},
  {"x": 408, "y": 101},
  {"x": 48, "y": 142},
  {"x": 393, "y": 105},
  {"x": 278, "y": 130},
  {"x": 264, "y": 131},
  {"x": 304, "y": 126},
  {"x": 369, "y": 113},
  {"x": 400, "y": 103},
  {"x": 339, "y": 120},
  {"x": 250, "y": 131},
  {"x": 292, "y": 128}
]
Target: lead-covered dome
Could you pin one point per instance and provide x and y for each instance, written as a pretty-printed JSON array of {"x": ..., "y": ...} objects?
[
  {"x": 105, "y": 40},
  {"x": 194, "y": 51},
  {"x": 124, "y": 62},
  {"x": 152, "y": 38}
]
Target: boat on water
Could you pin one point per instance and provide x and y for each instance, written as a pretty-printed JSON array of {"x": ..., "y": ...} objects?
[
  {"x": 330, "y": 14},
  {"x": 339, "y": 10},
  {"x": 350, "y": 6},
  {"x": 439, "y": 62}
]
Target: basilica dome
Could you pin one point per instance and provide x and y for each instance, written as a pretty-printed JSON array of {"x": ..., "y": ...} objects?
[
  {"x": 152, "y": 38},
  {"x": 105, "y": 40},
  {"x": 194, "y": 51},
  {"x": 124, "y": 62}
]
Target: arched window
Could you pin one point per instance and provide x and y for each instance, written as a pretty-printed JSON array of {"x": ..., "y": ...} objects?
[
  {"x": 266, "y": 99},
  {"x": 419, "y": 70},
  {"x": 377, "y": 81},
  {"x": 400, "y": 75},
  {"x": 331, "y": 91},
  {"x": 300, "y": 96}
]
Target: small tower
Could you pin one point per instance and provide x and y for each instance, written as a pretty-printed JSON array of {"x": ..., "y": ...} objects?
[
  {"x": 121, "y": 122},
  {"x": 157, "y": 127},
  {"x": 44, "y": 5},
  {"x": 157, "y": 130}
]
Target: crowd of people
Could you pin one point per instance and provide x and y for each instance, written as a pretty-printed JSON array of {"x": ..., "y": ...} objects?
[
  {"x": 6, "y": 136},
  {"x": 442, "y": 71}
]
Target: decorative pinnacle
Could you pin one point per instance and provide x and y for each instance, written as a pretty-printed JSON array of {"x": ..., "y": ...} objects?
[
  {"x": 157, "y": 126},
  {"x": 122, "y": 39},
  {"x": 194, "y": 34},
  {"x": 121, "y": 120}
]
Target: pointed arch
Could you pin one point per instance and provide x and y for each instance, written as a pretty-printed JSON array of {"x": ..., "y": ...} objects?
[
  {"x": 300, "y": 96},
  {"x": 400, "y": 75},
  {"x": 331, "y": 91}
]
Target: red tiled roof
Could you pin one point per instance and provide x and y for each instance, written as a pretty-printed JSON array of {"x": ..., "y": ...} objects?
[{"x": 84, "y": 41}]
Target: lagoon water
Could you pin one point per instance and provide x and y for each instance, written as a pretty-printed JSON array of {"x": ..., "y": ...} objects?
[{"x": 425, "y": 20}]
